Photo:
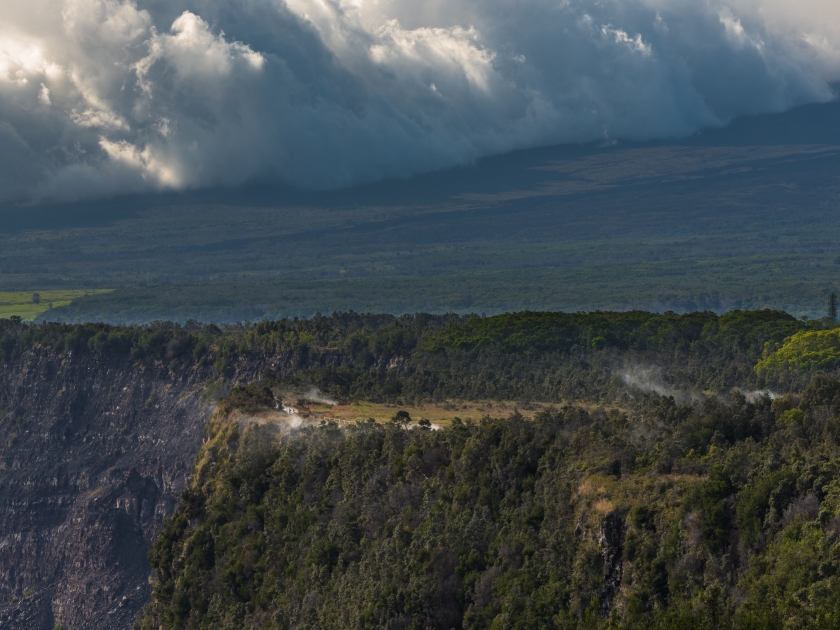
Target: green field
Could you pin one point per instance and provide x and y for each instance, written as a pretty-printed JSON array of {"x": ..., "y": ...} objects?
[{"x": 22, "y": 303}]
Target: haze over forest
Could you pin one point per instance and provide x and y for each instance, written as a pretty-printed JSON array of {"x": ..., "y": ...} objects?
[
  {"x": 740, "y": 217},
  {"x": 463, "y": 156}
]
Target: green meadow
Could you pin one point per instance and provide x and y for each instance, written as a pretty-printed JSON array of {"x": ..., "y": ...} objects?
[{"x": 29, "y": 304}]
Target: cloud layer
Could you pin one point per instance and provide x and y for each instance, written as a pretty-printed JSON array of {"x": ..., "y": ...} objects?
[{"x": 102, "y": 97}]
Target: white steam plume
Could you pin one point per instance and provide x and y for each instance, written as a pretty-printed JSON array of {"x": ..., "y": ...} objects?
[
  {"x": 315, "y": 395},
  {"x": 649, "y": 379},
  {"x": 100, "y": 97}
]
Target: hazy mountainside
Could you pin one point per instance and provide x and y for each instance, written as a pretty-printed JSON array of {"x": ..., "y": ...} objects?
[
  {"x": 742, "y": 217},
  {"x": 99, "y": 425}
]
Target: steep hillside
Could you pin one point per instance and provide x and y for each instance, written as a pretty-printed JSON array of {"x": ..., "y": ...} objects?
[
  {"x": 715, "y": 515},
  {"x": 100, "y": 425},
  {"x": 94, "y": 452}
]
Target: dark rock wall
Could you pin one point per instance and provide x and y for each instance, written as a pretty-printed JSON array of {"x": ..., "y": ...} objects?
[
  {"x": 95, "y": 449},
  {"x": 611, "y": 539},
  {"x": 94, "y": 452}
]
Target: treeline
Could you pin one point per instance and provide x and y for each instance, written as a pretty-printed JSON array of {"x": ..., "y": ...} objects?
[
  {"x": 407, "y": 359},
  {"x": 720, "y": 515}
]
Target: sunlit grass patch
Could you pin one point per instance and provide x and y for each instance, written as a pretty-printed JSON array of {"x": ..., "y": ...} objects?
[
  {"x": 440, "y": 414},
  {"x": 29, "y": 304}
]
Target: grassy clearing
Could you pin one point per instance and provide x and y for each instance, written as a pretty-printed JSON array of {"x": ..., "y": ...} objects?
[
  {"x": 437, "y": 413},
  {"x": 22, "y": 303}
]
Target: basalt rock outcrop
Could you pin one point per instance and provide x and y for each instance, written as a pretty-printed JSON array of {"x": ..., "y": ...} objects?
[
  {"x": 96, "y": 445},
  {"x": 611, "y": 539},
  {"x": 94, "y": 452}
]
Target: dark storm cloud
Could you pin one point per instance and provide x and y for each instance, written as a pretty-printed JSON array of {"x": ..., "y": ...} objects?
[{"x": 101, "y": 97}]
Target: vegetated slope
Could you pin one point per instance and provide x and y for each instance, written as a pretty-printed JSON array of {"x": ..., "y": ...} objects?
[
  {"x": 99, "y": 424},
  {"x": 520, "y": 356},
  {"x": 742, "y": 217},
  {"x": 720, "y": 515},
  {"x": 543, "y": 356},
  {"x": 804, "y": 351}
]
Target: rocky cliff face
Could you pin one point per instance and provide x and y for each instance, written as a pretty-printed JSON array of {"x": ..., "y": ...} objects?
[
  {"x": 94, "y": 452},
  {"x": 611, "y": 539},
  {"x": 95, "y": 448}
]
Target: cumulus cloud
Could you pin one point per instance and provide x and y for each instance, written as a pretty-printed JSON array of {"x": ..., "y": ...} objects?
[{"x": 101, "y": 97}]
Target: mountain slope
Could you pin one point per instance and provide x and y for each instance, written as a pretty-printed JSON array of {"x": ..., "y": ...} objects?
[{"x": 741, "y": 217}]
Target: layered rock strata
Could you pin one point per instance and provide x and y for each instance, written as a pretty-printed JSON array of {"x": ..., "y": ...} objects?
[{"x": 94, "y": 452}]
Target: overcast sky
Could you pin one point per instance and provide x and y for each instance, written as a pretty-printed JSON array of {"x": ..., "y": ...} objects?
[{"x": 101, "y": 97}]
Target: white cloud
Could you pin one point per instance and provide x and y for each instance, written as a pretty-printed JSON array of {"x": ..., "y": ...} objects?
[
  {"x": 143, "y": 161},
  {"x": 99, "y": 97},
  {"x": 44, "y": 95},
  {"x": 22, "y": 58},
  {"x": 90, "y": 118},
  {"x": 194, "y": 52},
  {"x": 621, "y": 37}
]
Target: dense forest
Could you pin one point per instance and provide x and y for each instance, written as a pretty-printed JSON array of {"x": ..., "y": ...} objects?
[
  {"x": 551, "y": 357},
  {"x": 741, "y": 217},
  {"x": 685, "y": 473},
  {"x": 719, "y": 515}
]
